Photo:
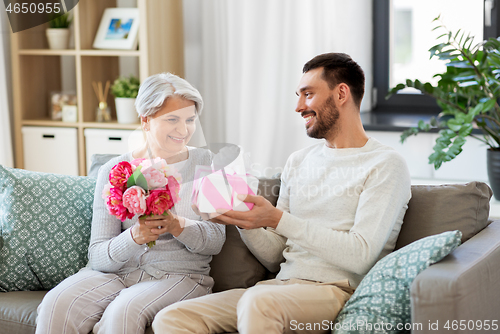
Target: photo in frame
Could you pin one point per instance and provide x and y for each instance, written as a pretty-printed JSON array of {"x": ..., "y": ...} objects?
[{"x": 118, "y": 29}]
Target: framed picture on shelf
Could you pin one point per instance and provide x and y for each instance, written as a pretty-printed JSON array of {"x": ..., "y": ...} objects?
[
  {"x": 58, "y": 100},
  {"x": 118, "y": 29}
]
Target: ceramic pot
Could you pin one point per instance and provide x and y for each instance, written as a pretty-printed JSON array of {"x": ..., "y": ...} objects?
[
  {"x": 125, "y": 110},
  {"x": 58, "y": 38}
]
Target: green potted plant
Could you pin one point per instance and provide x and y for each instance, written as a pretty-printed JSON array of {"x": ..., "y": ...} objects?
[
  {"x": 58, "y": 33},
  {"x": 467, "y": 92},
  {"x": 125, "y": 91}
]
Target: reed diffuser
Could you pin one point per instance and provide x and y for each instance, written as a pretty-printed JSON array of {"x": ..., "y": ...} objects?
[{"x": 103, "y": 113}]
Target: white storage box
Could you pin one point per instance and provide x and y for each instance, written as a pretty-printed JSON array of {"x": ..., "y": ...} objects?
[
  {"x": 106, "y": 141},
  {"x": 50, "y": 149}
]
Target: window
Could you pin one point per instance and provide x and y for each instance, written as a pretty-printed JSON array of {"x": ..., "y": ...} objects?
[{"x": 403, "y": 35}]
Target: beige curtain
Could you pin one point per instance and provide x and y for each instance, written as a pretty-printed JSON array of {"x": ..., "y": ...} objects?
[
  {"x": 248, "y": 56},
  {"x": 6, "y": 157}
]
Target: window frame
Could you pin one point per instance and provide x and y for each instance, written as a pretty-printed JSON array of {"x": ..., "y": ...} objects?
[{"x": 404, "y": 103}]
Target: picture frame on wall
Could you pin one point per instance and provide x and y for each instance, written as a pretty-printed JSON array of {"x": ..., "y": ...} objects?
[{"x": 118, "y": 29}]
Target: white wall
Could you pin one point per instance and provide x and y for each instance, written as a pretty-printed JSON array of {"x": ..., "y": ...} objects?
[
  {"x": 470, "y": 165},
  {"x": 192, "y": 42}
]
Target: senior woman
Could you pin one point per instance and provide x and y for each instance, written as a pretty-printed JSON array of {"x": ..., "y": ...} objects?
[{"x": 126, "y": 283}]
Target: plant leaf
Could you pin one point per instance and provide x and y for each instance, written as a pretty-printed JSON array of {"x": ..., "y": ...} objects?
[
  {"x": 459, "y": 64},
  {"x": 468, "y": 83},
  {"x": 407, "y": 133},
  {"x": 464, "y": 77},
  {"x": 465, "y": 130},
  {"x": 488, "y": 105},
  {"x": 131, "y": 181},
  {"x": 141, "y": 181}
]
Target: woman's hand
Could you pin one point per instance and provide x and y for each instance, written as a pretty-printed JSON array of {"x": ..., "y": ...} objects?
[
  {"x": 150, "y": 228},
  {"x": 204, "y": 216}
]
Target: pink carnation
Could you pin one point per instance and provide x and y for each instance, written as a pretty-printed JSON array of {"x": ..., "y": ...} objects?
[
  {"x": 155, "y": 178},
  {"x": 168, "y": 170},
  {"x": 158, "y": 164},
  {"x": 115, "y": 204},
  {"x": 137, "y": 162},
  {"x": 146, "y": 163},
  {"x": 174, "y": 188},
  {"x": 119, "y": 174},
  {"x": 106, "y": 191},
  {"x": 134, "y": 199},
  {"x": 158, "y": 201}
]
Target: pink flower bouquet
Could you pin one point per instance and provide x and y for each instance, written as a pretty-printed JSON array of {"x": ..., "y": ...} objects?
[{"x": 143, "y": 187}]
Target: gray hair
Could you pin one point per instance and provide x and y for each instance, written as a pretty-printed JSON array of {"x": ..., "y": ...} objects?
[{"x": 157, "y": 88}]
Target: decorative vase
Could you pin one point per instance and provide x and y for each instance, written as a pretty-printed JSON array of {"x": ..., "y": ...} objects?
[
  {"x": 125, "y": 110},
  {"x": 58, "y": 38},
  {"x": 103, "y": 113},
  {"x": 493, "y": 163}
]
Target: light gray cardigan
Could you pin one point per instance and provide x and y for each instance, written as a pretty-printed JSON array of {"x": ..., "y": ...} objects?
[{"x": 112, "y": 248}]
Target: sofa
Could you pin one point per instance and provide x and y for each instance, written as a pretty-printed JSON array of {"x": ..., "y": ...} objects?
[{"x": 463, "y": 286}]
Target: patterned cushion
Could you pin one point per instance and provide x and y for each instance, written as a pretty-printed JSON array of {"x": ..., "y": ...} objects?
[
  {"x": 44, "y": 227},
  {"x": 381, "y": 302}
]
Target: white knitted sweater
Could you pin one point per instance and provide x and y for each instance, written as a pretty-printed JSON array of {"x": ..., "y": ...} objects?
[{"x": 343, "y": 210}]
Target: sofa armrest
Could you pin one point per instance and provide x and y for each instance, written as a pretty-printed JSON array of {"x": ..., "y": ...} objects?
[{"x": 465, "y": 285}]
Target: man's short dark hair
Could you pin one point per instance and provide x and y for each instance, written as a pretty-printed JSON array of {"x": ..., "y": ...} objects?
[{"x": 337, "y": 68}]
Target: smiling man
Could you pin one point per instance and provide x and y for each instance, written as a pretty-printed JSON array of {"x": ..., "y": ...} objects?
[{"x": 340, "y": 209}]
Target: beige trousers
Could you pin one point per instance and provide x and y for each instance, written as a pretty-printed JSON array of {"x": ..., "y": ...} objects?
[{"x": 273, "y": 306}]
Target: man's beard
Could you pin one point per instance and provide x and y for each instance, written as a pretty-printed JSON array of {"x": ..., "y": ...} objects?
[{"x": 326, "y": 120}]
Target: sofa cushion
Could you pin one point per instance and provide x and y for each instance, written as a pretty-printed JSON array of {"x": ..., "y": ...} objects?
[
  {"x": 269, "y": 188},
  {"x": 383, "y": 296},
  {"x": 18, "y": 311},
  {"x": 235, "y": 266},
  {"x": 434, "y": 209},
  {"x": 97, "y": 161},
  {"x": 45, "y": 227}
]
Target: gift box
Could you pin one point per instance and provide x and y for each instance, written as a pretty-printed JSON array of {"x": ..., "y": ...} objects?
[
  {"x": 217, "y": 186},
  {"x": 212, "y": 191}
]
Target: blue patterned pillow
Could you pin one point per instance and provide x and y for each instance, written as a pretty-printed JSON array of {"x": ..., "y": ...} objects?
[
  {"x": 381, "y": 303},
  {"x": 44, "y": 227}
]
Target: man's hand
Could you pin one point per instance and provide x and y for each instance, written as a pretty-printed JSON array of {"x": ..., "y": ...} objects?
[{"x": 263, "y": 214}]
